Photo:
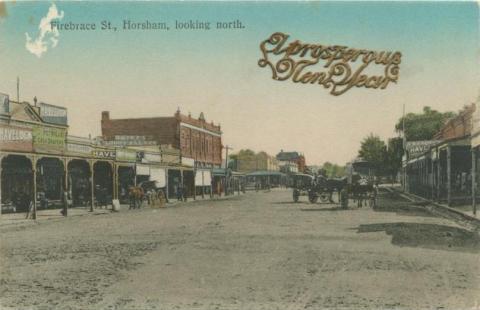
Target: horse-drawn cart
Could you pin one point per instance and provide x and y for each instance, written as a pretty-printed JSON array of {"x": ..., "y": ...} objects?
[
  {"x": 323, "y": 188},
  {"x": 301, "y": 184}
]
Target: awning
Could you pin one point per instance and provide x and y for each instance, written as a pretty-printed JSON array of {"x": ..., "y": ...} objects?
[
  {"x": 265, "y": 173},
  {"x": 159, "y": 175},
  {"x": 203, "y": 178},
  {"x": 142, "y": 170},
  {"x": 218, "y": 172}
]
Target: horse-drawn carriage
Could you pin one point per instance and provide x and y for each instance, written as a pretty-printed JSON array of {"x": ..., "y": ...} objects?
[
  {"x": 323, "y": 188},
  {"x": 359, "y": 185},
  {"x": 362, "y": 185},
  {"x": 316, "y": 187},
  {"x": 301, "y": 184}
]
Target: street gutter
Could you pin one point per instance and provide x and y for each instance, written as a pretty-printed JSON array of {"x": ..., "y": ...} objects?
[{"x": 470, "y": 222}]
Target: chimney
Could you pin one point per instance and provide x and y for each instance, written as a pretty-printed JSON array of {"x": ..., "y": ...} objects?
[{"x": 105, "y": 115}]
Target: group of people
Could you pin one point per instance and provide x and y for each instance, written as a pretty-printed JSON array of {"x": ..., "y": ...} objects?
[{"x": 152, "y": 197}]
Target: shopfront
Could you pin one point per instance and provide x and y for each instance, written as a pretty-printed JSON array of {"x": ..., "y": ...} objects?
[
  {"x": 50, "y": 182},
  {"x": 17, "y": 183},
  {"x": 78, "y": 181},
  {"x": 203, "y": 182}
]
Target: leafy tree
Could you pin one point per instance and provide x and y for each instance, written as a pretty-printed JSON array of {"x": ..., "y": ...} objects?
[
  {"x": 393, "y": 159},
  {"x": 333, "y": 170},
  {"x": 374, "y": 150},
  {"x": 423, "y": 126},
  {"x": 246, "y": 153}
]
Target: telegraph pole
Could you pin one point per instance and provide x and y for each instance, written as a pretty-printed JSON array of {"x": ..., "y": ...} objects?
[
  {"x": 18, "y": 89},
  {"x": 226, "y": 168},
  {"x": 404, "y": 145}
]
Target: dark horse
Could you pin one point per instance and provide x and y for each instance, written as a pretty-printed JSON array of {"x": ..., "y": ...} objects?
[
  {"x": 136, "y": 195},
  {"x": 363, "y": 190}
]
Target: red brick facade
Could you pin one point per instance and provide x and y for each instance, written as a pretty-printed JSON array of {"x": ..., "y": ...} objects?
[
  {"x": 301, "y": 163},
  {"x": 195, "y": 138},
  {"x": 457, "y": 127}
]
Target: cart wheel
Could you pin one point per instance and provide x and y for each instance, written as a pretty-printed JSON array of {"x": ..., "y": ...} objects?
[
  {"x": 313, "y": 198},
  {"x": 324, "y": 198}
]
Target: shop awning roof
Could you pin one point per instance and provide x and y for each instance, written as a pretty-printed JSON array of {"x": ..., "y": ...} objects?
[
  {"x": 265, "y": 173},
  {"x": 218, "y": 171}
]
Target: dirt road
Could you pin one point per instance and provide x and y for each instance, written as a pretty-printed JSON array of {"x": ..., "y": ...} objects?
[{"x": 255, "y": 251}]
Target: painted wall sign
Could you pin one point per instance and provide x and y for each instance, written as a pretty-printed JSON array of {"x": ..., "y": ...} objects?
[{"x": 49, "y": 138}]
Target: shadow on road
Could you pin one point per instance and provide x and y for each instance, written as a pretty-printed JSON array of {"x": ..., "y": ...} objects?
[
  {"x": 289, "y": 202},
  {"x": 325, "y": 209},
  {"x": 429, "y": 236},
  {"x": 391, "y": 202},
  {"x": 402, "y": 208}
]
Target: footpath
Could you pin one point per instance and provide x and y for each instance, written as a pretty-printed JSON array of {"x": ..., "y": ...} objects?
[
  {"x": 462, "y": 214},
  {"x": 10, "y": 219}
]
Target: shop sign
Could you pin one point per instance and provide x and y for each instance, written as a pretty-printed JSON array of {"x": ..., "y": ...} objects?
[
  {"x": 53, "y": 114},
  {"x": 104, "y": 154},
  {"x": 16, "y": 139},
  {"x": 79, "y": 148},
  {"x": 417, "y": 148},
  {"x": 188, "y": 161},
  {"x": 49, "y": 138},
  {"x": 4, "y": 104},
  {"x": 170, "y": 158},
  {"x": 149, "y": 158},
  {"x": 130, "y": 140},
  {"x": 126, "y": 155}
]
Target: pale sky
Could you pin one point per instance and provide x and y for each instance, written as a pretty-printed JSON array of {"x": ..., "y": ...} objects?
[{"x": 151, "y": 73}]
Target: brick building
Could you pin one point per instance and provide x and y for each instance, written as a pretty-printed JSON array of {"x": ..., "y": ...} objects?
[
  {"x": 197, "y": 140},
  {"x": 459, "y": 126}
]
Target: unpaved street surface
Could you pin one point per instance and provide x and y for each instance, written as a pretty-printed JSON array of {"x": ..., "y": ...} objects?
[{"x": 255, "y": 251}]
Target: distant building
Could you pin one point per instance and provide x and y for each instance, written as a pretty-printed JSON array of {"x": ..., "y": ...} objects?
[
  {"x": 287, "y": 158},
  {"x": 313, "y": 169},
  {"x": 199, "y": 142},
  {"x": 287, "y": 166},
  {"x": 248, "y": 161}
]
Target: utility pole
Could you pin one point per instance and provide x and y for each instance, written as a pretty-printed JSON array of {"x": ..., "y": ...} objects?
[
  {"x": 226, "y": 168},
  {"x": 404, "y": 146},
  {"x": 18, "y": 89}
]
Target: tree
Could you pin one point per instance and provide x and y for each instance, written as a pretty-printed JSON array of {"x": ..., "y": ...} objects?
[
  {"x": 393, "y": 160},
  {"x": 333, "y": 170},
  {"x": 374, "y": 150},
  {"x": 423, "y": 126}
]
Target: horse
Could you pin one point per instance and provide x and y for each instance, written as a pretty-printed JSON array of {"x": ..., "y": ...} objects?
[
  {"x": 136, "y": 196},
  {"x": 362, "y": 189}
]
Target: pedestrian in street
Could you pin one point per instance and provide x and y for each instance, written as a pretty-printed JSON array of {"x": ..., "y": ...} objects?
[{"x": 179, "y": 192}]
